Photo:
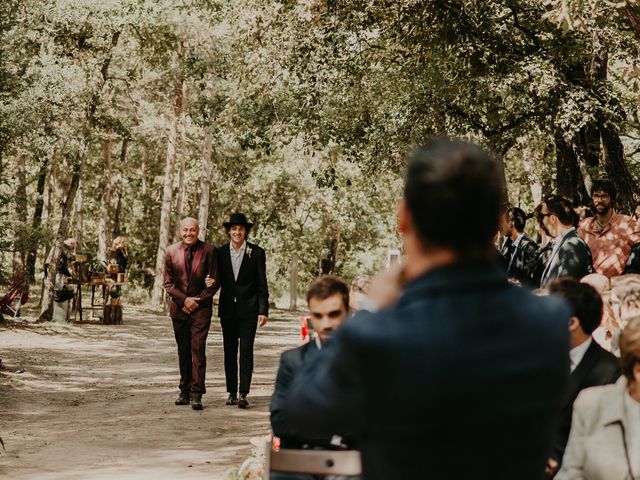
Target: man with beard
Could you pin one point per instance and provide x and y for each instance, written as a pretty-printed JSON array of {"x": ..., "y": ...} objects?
[
  {"x": 610, "y": 235},
  {"x": 521, "y": 249}
]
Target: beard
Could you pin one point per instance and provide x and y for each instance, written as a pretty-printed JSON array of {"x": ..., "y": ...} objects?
[{"x": 602, "y": 209}]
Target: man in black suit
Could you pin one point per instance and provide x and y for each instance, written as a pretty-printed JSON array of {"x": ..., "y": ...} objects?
[
  {"x": 520, "y": 250},
  {"x": 570, "y": 255},
  {"x": 462, "y": 375},
  {"x": 590, "y": 364},
  {"x": 244, "y": 304},
  {"x": 328, "y": 302}
]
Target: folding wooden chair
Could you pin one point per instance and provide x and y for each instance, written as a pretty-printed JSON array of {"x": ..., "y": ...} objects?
[
  {"x": 17, "y": 296},
  {"x": 312, "y": 462}
]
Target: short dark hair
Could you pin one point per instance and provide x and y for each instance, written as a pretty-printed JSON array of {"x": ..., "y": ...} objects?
[
  {"x": 327, "y": 285},
  {"x": 604, "y": 185},
  {"x": 518, "y": 217},
  {"x": 444, "y": 179},
  {"x": 585, "y": 301},
  {"x": 562, "y": 208}
]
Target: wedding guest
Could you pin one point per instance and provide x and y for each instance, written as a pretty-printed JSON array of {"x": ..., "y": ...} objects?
[
  {"x": 590, "y": 364},
  {"x": 610, "y": 235},
  {"x": 521, "y": 249},
  {"x": 120, "y": 254},
  {"x": 604, "y": 443},
  {"x": 328, "y": 302},
  {"x": 570, "y": 255},
  {"x": 448, "y": 379}
]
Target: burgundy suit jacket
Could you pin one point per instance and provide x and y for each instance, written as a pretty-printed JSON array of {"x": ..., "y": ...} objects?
[{"x": 179, "y": 285}]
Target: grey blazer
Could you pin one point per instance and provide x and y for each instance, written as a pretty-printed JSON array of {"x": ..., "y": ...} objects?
[
  {"x": 602, "y": 443},
  {"x": 571, "y": 258}
]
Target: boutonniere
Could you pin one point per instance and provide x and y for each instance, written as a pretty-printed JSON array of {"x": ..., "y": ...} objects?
[{"x": 248, "y": 251}]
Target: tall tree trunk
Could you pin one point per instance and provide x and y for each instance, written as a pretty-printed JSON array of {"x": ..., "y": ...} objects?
[
  {"x": 180, "y": 199},
  {"x": 568, "y": 176},
  {"x": 106, "y": 199},
  {"x": 165, "y": 214},
  {"x": 63, "y": 227},
  {"x": 79, "y": 213},
  {"x": 119, "y": 188},
  {"x": 37, "y": 220},
  {"x": 293, "y": 285},
  {"x": 205, "y": 184},
  {"x": 19, "y": 257},
  {"x": 617, "y": 169}
]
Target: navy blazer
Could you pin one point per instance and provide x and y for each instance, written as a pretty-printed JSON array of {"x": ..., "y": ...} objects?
[
  {"x": 248, "y": 296},
  {"x": 572, "y": 258},
  {"x": 461, "y": 378}
]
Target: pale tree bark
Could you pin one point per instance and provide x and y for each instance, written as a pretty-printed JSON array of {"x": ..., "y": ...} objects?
[
  {"x": 205, "y": 184},
  {"x": 119, "y": 188},
  {"x": 19, "y": 252},
  {"x": 106, "y": 198},
  {"x": 293, "y": 285},
  {"x": 165, "y": 213},
  {"x": 182, "y": 135},
  {"x": 79, "y": 212},
  {"x": 63, "y": 227}
]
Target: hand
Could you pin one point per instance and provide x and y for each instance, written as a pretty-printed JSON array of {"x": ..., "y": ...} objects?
[
  {"x": 386, "y": 286},
  {"x": 552, "y": 467},
  {"x": 190, "y": 304},
  {"x": 209, "y": 281},
  {"x": 262, "y": 320}
]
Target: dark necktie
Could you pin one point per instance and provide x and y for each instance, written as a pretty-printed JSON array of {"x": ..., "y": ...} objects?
[{"x": 189, "y": 258}]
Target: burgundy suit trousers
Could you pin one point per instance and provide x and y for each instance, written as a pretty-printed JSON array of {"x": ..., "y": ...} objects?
[{"x": 191, "y": 337}]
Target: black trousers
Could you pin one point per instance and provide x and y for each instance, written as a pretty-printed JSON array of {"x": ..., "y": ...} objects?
[
  {"x": 238, "y": 332},
  {"x": 191, "y": 338}
]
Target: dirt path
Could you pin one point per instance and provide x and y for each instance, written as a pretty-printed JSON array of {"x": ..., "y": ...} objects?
[{"x": 96, "y": 402}]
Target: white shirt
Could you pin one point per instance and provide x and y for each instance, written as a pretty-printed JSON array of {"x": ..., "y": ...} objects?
[
  {"x": 577, "y": 353},
  {"x": 236, "y": 258}
]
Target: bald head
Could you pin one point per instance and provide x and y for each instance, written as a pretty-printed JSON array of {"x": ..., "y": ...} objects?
[{"x": 189, "y": 230}]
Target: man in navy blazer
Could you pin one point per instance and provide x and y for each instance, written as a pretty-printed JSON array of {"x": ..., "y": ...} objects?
[
  {"x": 244, "y": 304},
  {"x": 462, "y": 375}
]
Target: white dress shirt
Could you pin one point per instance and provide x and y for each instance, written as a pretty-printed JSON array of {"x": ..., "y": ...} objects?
[
  {"x": 236, "y": 258},
  {"x": 577, "y": 353}
]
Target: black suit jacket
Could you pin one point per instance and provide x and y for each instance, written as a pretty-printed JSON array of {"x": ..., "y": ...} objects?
[
  {"x": 572, "y": 258},
  {"x": 597, "y": 367},
  {"x": 291, "y": 363},
  {"x": 526, "y": 253},
  {"x": 248, "y": 296},
  {"x": 464, "y": 365}
]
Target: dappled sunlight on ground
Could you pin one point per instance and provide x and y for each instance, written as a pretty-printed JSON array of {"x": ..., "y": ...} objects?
[{"x": 96, "y": 401}]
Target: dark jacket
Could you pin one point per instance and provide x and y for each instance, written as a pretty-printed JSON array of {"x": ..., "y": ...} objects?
[
  {"x": 247, "y": 297},
  {"x": 526, "y": 253},
  {"x": 461, "y": 378},
  {"x": 597, "y": 367},
  {"x": 291, "y": 363},
  {"x": 179, "y": 284},
  {"x": 572, "y": 258}
]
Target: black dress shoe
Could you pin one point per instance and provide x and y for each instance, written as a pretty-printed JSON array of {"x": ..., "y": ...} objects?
[
  {"x": 232, "y": 400},
  {"x": 243, "y": 402},
  {"x": 196, "y": 402},
  {"x": 182, "y": 399}
]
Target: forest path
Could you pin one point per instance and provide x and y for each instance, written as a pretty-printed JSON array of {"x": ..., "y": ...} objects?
[{"x": 96, "y": 401}]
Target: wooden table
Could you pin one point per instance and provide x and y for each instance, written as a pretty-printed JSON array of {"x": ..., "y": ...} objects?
[{"x": 107, "y": 287}]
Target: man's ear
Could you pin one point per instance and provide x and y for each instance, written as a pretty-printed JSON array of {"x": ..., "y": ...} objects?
[
  {"x": 574, "y": 324},
  {"x": 404, "y": 217}
]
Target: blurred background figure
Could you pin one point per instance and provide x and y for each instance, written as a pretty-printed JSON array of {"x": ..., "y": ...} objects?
[
  {"x": 120, "y": 254},
  {"x": 604, "y": 443},
  {"x": 359, "y": 292}
]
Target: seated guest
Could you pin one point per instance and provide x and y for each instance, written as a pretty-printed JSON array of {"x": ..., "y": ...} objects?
[
  {"x": 521, "y": 251},
  {"x": 604, "y": 443},
  {"x": 590, "y": 364},
  {"x": 328, "y": 301},
  {"x": 609, "y": 323},
  {"x": 610, "y": 235},
  {"x": 570, "y": 255}
]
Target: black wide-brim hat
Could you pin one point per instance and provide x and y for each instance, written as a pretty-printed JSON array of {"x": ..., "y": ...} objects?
[{"x": 237, "y": 219}]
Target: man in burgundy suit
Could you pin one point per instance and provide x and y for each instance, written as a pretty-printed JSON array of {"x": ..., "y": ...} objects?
[{"x": 187, "y": 264}]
